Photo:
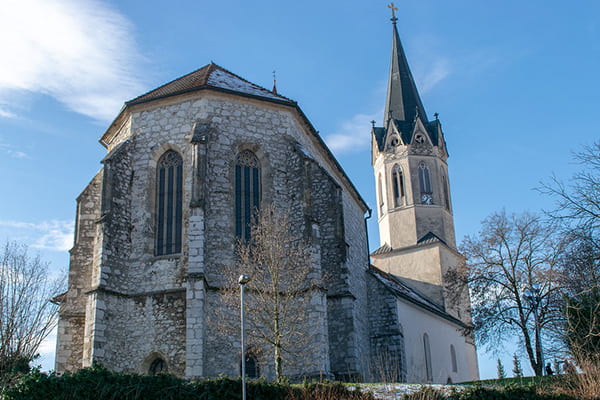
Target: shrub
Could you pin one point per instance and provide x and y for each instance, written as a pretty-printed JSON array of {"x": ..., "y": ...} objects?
[{"x": 98, "y": 383}]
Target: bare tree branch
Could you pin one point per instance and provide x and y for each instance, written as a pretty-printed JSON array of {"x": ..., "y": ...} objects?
[{"x": 27, "y": 315}]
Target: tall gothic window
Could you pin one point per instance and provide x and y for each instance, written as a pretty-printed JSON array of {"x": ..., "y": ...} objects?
[
  {"x": 247, "y": 192},
  {"x": 169, "y": 199},
  {"x": 445, "y": 188},
  {"x": 453, "y": 358},
  {"x": 425, "y": 183},
  {"x": 427, "y": 351},
  {"x": 380, "y": 193},
  {"x": 398, "y": 185}
]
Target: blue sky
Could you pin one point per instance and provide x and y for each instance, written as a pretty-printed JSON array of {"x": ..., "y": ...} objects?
[{"x": 515, "y": 84}]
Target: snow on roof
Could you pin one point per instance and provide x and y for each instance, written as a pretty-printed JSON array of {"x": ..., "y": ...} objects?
[
  {"x": 209, "y": 76},
  {"x": 402, "y": 289},
  {"x": 225, "y": 80}
]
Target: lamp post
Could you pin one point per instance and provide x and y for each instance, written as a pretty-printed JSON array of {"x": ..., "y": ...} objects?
[
  {"x": 533, "y": 297},
  {"x": 242, "y": 280}
]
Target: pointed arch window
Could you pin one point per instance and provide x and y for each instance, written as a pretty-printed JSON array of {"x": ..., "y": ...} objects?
[
  {"x": 398, "y": 186},
  {"x": 446, "y": 190},
  {"x": 158, "y": 366},
  {"x": 427, "y": 351},
  {"x": 425, "y": 184},
  {"x": 252, "y": 368},
  {"x": 453, "y": 358},
  {"x": 247, "y": 192},
  {"x": 169, "y": 200},
  {"x": 380, "y": 194}
]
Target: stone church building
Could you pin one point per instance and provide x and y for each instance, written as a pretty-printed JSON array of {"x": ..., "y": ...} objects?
[{"x": 188, "y": 163}]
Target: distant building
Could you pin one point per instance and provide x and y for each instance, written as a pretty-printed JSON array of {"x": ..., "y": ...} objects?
[{"x": 188, "y": 163}]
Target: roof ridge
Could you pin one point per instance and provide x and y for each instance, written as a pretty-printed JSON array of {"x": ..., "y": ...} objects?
[{"x": 170, "y": 82}]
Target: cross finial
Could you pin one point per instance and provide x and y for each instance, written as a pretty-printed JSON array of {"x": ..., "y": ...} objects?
[
  {"x": 373, "y": 123},
  {"x": 436, "y": 115},
  {"x": 274, "y": 82},
  {"x": 391, "y": 7}
]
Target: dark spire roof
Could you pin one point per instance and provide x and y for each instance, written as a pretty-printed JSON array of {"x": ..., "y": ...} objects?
[{"x": 403, "y": 101}]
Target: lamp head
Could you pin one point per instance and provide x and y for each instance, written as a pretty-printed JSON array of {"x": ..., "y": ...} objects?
[{"x": 243, "y": 279}]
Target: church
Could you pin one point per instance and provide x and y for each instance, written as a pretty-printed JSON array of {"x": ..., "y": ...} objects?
[{"x": 188, "y": 164}]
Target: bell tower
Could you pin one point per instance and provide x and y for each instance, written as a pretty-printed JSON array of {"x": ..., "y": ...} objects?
[{"x": 414, "y": 209}]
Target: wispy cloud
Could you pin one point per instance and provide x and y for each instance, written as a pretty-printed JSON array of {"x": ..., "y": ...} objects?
[
  {"x": 80, "y": 52},
  {"x": 52, "y": 235},
  {"x": 435, "y": 72},
  {"x": 353, "y": 135},
  {"x": 10, "y": 150},
  {"x": 6, "y": 113}
]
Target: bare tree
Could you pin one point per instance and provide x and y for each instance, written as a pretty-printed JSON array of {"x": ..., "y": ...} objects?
[
  {"x": 578, "y": 202},
  {"x": 511, "y": 257},
  {"x": 27, "y": 315},
  {"x": 578, "y": 211},
  {"x": 283, "y": 279}
]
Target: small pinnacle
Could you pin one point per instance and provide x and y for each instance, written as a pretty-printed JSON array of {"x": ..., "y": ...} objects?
[{"x": 274, "y": 82}]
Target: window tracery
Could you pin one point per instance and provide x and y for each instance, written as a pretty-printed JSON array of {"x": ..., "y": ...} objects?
[
  {"x": 425, "y": 184},
  {"x": 169, "y": 201},
  {"x": 398, "y": 186},
  {"x": 247, "y": 192}
]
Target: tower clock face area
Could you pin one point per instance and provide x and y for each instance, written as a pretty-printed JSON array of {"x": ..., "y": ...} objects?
[{"x": 427, "y": 199}]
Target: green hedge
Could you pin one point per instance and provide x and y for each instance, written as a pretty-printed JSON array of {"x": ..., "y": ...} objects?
[{"x": 98, "y": 383}]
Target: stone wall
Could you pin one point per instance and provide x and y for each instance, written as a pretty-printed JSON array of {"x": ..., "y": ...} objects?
[
  {"x": 69, "y": 347},
  {"x": 139, "y": 328},
  {"x": 386, "y": 337},
  {"x": 139, "y": 305}
]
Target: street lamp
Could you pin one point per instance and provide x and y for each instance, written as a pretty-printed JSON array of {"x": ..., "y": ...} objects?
[
  {"x": 532, "y": 296},
  {"x": 242, "y": 280}
]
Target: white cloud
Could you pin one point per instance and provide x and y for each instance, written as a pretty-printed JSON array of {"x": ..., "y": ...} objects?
[
  {"x": 354, "y": 134},
  {"x": 10, "y": 150},
  {"x": 81, "y": 52},
  {"x": 6, "y": 113},
  {"x": 52, "y": 235},
  {"x": 435, "y": 72}
]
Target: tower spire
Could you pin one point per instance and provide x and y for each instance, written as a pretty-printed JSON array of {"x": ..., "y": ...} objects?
[{"x": 403, "y": 102}]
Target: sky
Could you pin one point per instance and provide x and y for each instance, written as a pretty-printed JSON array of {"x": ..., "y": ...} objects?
[{"x": 515, "y": 84}]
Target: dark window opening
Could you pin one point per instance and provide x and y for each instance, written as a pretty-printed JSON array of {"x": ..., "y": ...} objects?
[
  {"x": 427, "y": 351},
  {"x": 247, "y": 192},
  {"x": 157, "y": 366},
  {"x": 252, "y": 368},
  {"x": 169, "y": 202},
  {"x": 453, "y": 359},
  {"x": 380, "y": 193},
  {"x": 398, "y": 186},
  {"x": 425, "y": 184},
  {"x": 446, "y": 192}
]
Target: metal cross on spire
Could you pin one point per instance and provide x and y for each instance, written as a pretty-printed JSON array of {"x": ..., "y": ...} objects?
[
  {"x": 274, "y": 82},
  {"x": 394, "y": 9}
]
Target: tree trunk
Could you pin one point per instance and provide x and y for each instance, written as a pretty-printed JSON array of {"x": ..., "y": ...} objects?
[
  {"x": 278, "y": 363},
  {"x": 277, "y": 346}
]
